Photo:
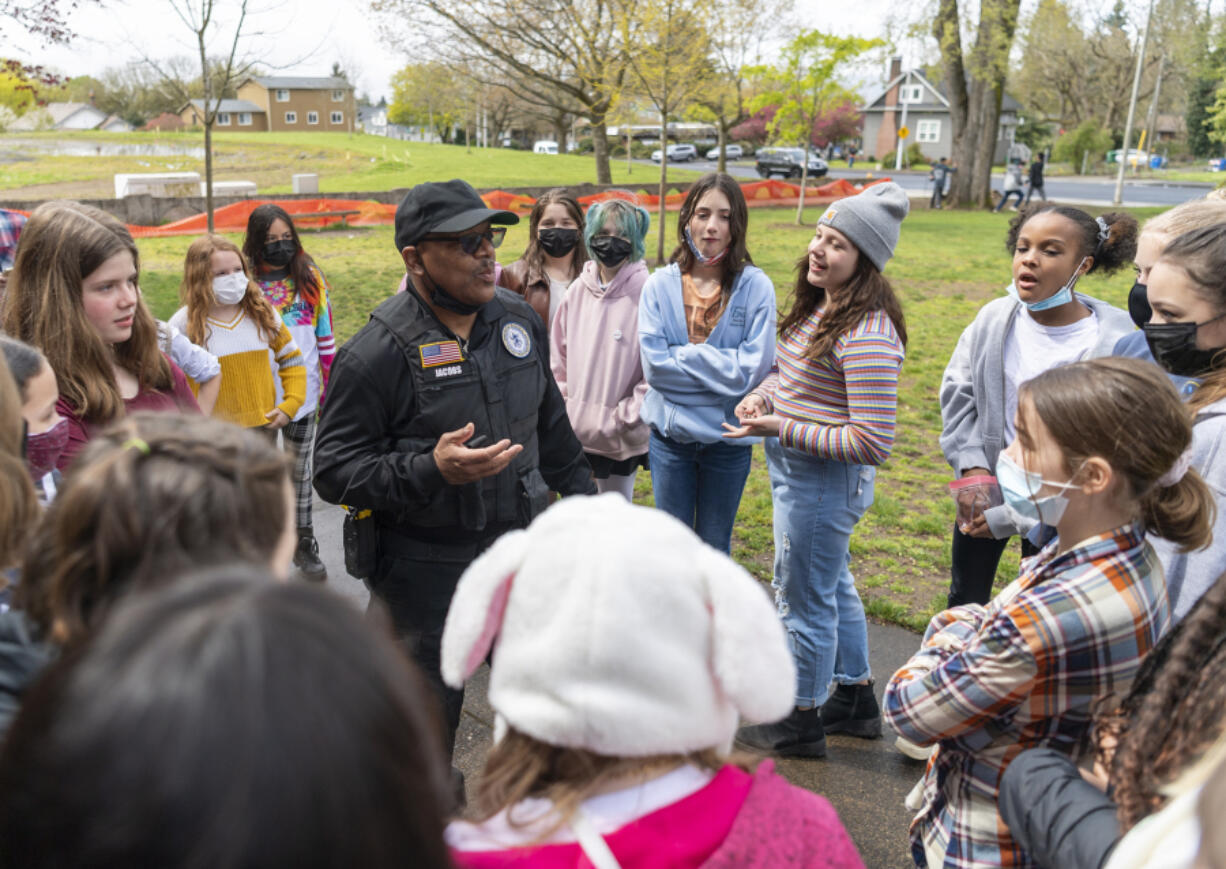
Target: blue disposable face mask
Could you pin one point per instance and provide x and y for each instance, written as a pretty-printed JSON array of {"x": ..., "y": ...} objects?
[
  {"x": 1020, "y": 489},
  {"x": 1062, "y": 296}
]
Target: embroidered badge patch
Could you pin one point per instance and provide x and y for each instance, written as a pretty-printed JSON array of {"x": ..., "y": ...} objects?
[
  {"x": 829, "y": 216},
  {"x": 440, "y": 353},
  {"x": 515, "y": 339}
]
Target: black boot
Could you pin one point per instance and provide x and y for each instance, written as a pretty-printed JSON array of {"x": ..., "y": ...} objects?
[
  {"x": 798, "y": 735},
  {"x": 853, "y": 710},
  {"x": 306, "y": 556}
]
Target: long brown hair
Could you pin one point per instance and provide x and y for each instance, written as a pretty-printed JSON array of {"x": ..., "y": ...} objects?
[
  {"x": 19, "y": 509},
  {"x": 63, "y": 243},
  {"x": 738, "y": 224},
  {"x": 866, "y": 291},
  {"x": 519, "y": 767},
  {"x": 534, "y": 256},
  {"x": 1201, "y": 254},
  {"x": 154, "y": 495},
  {"x": 1174, "y": 711},
  {"x": 196, "y": 291},
  {"x": 1090, "y": 409}
]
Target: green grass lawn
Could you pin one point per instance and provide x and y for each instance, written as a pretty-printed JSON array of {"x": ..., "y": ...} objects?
[
  {"x": 948, "y": 264},
  {"x": 345, "y": 163}
]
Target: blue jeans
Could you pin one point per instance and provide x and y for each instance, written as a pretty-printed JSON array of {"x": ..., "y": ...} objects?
[
  {"x": 700, "y": 484},
  {"x": 817, "y": 505}
]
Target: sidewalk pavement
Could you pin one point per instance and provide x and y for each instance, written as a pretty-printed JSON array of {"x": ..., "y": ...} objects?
[{"x": 865, "y": 780}]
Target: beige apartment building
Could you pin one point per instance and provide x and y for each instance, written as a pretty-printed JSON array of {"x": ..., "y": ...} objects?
[{"x": 296, "y": 104}]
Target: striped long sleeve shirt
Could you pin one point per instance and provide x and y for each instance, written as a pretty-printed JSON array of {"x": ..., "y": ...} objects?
[
  {"x": 841, "y": 406},
  {"x": 1025, "y": 671}
]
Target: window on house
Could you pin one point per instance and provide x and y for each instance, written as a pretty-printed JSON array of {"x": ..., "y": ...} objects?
[
  {"x": 312, "y": 117},
  {"x": 223, "y": 119},
  {"x": 338, "y": 96},
  {"x": 291, "y": 117},
  {"x": 338, "y": 117},
  {"x": 244, "y": 119},
  {"x": 911, "y": 93},
  {"x": 282, "y": 95},
  {"x": 928, "y": 131}
]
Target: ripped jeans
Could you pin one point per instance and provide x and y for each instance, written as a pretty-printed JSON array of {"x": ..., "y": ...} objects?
[{"x": 817, "y": 503}]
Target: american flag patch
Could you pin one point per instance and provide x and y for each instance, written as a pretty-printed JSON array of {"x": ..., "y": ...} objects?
[{"x": 440, "y": 353}]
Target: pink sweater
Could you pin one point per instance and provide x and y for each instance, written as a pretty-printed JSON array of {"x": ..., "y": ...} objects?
[
  {"x": 736, "y": 821},
  {"x": 594, "y": 353}
]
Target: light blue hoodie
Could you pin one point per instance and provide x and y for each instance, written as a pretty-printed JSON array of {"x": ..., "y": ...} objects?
[{"x": 694, "y": 388}]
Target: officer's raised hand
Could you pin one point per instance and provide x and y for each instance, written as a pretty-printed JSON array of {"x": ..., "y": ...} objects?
[{"x": 459, "y": 463}]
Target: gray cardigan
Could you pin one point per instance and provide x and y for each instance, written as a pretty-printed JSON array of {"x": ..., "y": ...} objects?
[
  {"x": 1190, "y": 574},
  {"x": 973, "y": 388}
]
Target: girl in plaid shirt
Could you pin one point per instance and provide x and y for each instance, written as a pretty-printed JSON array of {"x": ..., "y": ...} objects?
[{"x": 1027, "y": 669}]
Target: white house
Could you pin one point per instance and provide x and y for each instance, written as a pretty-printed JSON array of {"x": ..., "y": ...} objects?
[{"x": 68, "y": 116}]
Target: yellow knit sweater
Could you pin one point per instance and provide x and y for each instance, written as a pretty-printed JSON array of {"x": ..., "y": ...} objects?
[{"x": 247, "y": 360}]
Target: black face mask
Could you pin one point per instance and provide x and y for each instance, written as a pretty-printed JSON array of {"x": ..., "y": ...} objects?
[
  {"x": 278, "y": 253},
  {"x": 557, "y": 241},
  {"x": 445, "y": 300},
  {"x": 1138, "y": 304},
  {"x": 610, "y": 249},
  {"x": 1174, "y": 347}
]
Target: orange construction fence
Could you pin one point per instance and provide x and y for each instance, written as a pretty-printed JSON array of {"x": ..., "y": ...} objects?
[{"x": 317, "y": 213}]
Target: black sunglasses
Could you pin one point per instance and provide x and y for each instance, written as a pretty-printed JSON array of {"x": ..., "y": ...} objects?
[{"x": 471, "y": 242}]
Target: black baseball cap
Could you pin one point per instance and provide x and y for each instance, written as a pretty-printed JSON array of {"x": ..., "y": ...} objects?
[{"x": 443, "y": 206}]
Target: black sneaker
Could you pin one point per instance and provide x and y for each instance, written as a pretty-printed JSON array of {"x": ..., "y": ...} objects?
[
  {"x": 853, "y": 710},
  {"x": 306, "y": 558},
  {"x": 798, "y": 735}
]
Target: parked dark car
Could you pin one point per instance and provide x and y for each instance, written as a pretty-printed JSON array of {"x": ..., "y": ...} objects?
[{"x": 788, "y": 162}]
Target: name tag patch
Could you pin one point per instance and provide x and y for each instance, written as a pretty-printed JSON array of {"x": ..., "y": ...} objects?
[
  {"x": 440, "y": 353},
  {"x": 448, "y": 371}
]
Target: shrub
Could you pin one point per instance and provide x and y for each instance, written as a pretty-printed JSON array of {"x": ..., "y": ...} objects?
[{"x": 1089, "y": 138}]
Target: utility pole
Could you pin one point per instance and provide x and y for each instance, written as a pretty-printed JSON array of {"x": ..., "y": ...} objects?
[
  {"x": 899, "y": 140},
  {"x": 1151, "y": 122},
  {"x": 1132, "y": 107}
]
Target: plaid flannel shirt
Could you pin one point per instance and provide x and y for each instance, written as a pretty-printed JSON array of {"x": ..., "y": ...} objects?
[
  {"x": 10, "y": 230},
  {"x": 1025, "y": 671}
]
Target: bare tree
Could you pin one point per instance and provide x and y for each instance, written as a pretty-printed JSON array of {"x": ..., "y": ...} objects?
[
  {"x": 198, "y": 16},
  {"x": 552, "y": 53}
]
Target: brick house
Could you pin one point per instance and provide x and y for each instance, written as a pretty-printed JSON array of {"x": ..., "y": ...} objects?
[{"x": 298, "y": 104}]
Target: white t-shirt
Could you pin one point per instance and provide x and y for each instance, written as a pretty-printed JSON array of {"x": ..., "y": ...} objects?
[
  {"x": 1031, "y": 349},
  {"x": 557, "y": 289}
]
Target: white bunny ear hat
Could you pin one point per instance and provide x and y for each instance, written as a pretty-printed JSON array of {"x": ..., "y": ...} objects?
[{"x": 616, "y": 630}]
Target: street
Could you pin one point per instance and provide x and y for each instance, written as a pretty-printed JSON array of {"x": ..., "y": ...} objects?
[
  {"x": 865, "y": 780},
  {"x": 1083, "y": 190}
]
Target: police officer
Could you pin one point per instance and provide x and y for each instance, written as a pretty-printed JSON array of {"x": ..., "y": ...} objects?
[{"x": 443, "y": 419}]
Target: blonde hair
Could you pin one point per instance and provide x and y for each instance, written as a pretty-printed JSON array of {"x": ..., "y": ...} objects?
[
  {"x": 63, "y": 243},
  {"x": 1183, "y": 218},
  {"x": 196, "y": 291},
  {"x": 1091, "y": 409},
  {"x": 520, "y": 767},
  {"x": 19, "y": 510}
]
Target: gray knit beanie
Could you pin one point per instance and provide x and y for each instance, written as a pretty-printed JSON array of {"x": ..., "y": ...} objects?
[{"x": 871, "y": 219}]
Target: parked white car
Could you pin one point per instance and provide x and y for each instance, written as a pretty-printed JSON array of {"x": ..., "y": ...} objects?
[
  {"x": 545, "y": 146},
  {"x": 731, "y": 152}
]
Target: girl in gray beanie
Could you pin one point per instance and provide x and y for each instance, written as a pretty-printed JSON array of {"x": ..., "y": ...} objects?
[{"x": 827, "y": 413}]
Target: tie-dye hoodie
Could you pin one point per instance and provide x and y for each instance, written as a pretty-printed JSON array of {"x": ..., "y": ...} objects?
[{"x": 311, "y": 326}]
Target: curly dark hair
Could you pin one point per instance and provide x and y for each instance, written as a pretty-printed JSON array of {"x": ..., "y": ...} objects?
[
  {"x": 1174, "y": 711},
  {"x": 1116, "y": 251}
]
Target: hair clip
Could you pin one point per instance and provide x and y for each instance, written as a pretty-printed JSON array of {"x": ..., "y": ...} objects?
[{"x": 138, "y": 443}]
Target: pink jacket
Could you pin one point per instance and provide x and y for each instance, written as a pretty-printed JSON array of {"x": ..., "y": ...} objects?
[
  {"x": 738, "y": 821},
  {"x": 594, "y": 353}
]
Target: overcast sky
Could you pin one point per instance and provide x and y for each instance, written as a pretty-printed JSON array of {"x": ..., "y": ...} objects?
[{"x": 314, "y": 33}]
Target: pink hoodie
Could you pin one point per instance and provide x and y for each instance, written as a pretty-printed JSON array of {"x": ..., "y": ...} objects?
[{"x": 594, "y": 352}]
